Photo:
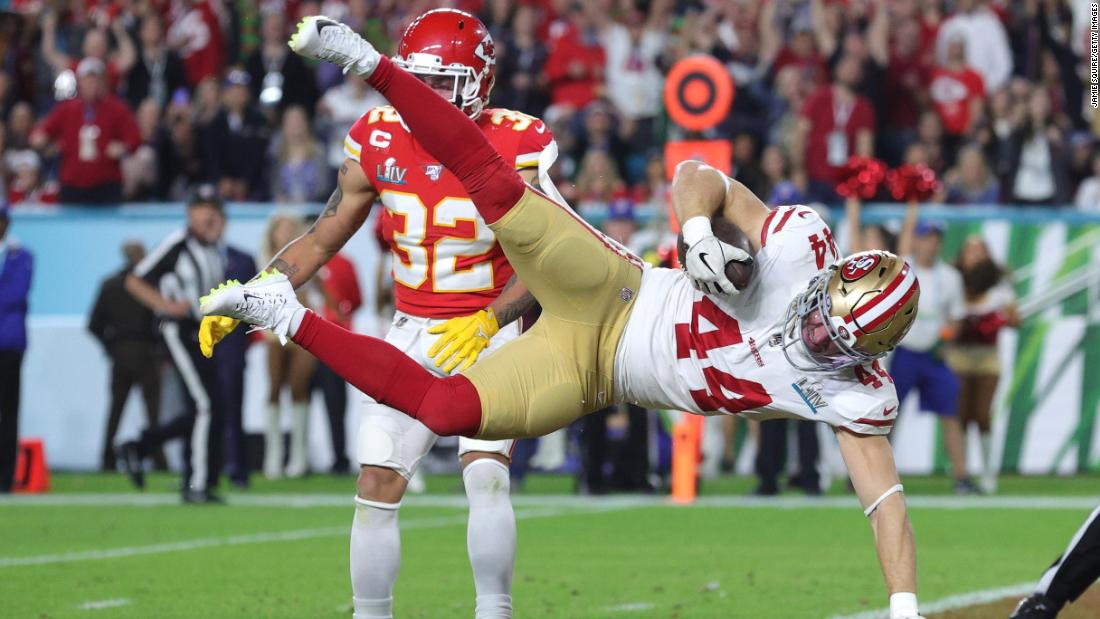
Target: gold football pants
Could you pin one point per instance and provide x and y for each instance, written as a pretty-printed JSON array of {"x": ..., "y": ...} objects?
[{"x": 563, "y": 367}]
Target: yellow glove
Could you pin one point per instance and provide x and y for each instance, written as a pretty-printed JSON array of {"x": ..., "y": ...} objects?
[
  {"x": 462, "y": 339},
  {"x": 212, "y": 330}
]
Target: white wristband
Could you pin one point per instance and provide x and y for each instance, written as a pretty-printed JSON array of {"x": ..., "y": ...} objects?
[
  {"x": 903, "y": 605},
  {"x": 696, "y": 229}
]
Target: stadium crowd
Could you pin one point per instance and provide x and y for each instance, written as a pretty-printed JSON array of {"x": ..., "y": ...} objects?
[
  {"x": 109, "y": 101},
  {"x": 990, "y": 93}
]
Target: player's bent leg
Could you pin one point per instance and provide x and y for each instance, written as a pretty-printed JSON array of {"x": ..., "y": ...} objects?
[
  {"x": 574, "y": 270},
  {"x": 540, "y": 382},
  {"x": 446, "y": 405},
  {"x": 491, "y": 531}
]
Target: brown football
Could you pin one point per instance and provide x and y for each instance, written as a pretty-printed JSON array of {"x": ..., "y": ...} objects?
[{"x": 724, "y": 229}]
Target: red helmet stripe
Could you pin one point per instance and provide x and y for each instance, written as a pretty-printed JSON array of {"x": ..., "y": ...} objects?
[
  {"x": 886, "y": 303},
  {"x": 886, "y": 292}
]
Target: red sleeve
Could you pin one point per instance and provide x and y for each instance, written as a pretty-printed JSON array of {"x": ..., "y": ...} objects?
[
  {"x": 812, "y": 108},
  {"x": 535, "y": 138},
  {"x": 864, "y": 115},
  {"x": 128, "y": 127},
  {"x": 51, "y": 125}
]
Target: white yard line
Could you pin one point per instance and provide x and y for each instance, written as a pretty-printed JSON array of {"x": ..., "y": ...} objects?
[
  {"x": 101, "y": 604},
  {"x": 264, "y": 538},
  {"x": 630, "y": 607},
  {"x": 458, "y": 501},
  {"x": 953, "y": 602}
]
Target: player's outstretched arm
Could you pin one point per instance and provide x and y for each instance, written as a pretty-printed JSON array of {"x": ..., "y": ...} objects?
[
  {"x": 346, "y": 210},
  {"x": 870, "y": 462}
]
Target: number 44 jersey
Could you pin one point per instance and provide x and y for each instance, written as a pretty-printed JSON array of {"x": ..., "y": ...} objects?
[
  {"x": 711, "y": 354},
  {"x": 446, "y": 262}
]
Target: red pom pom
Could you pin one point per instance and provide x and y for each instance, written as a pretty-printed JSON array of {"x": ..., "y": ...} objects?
[
  {"x": 912, "y": 182},
  {"x": 860, "y": 177}
]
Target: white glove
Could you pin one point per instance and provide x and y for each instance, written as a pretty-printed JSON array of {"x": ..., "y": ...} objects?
[
  {"x": 904, "y": 606},
  {"x": 707, "y": 255}
]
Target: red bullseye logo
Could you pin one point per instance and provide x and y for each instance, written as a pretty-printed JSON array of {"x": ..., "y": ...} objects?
[{"x": 858, "y": 267}]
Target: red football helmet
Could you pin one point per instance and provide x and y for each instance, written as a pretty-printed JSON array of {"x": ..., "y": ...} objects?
[{"x": 455, "y": 44}]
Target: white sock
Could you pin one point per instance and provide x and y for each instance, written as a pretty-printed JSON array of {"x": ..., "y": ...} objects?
[
  {"x": 989, "y": 469},
  {"x": 273, "y": 443},
  {"x": 299, "y": 440},
  {"x": 375, "y": 558},
  {"x": 296, "y": 321},
  {"x": 490, "y": 537}
]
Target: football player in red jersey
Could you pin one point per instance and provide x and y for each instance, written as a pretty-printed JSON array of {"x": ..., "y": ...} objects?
[{"x": 456, "y": 296}]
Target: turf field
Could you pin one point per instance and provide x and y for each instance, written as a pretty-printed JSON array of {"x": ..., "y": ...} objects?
[{"x": 94, "y": 548}]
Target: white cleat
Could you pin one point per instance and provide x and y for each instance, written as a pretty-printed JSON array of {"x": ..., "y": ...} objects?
[
  {"x": 323, "y": 38},
  {"x": 267, "y": 302}
]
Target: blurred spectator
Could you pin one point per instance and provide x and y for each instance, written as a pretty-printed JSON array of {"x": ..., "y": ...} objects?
[
  {"x": 928, "y": 149},
  {"x": 16, "y": 265},
  {"x": 159, "y": 72},
  {"x": 521, "y": 56},
  {"x": 338, "y": 110},
  {"x": 957, "y": 93},
  {"x": 745, "y": 165},
  {"x": 990, "y": 306},
  {"x": 782, "y": 185},
  {"x": 300, "y": 172},
  {"x": 96, "y": 45},
  {"x": 918, "y": 363},
  {"x": 27, "y": 184},
  {"x": 236, "y": 143},
  {"x": 600, "y": 133},
  {"x": 634, "y": 84},
  {"x": 1088, "y": 194},
  {"x": 800, "y": 51},
  {"x": 1038, "y": 157},
  {"x": 93, "y": 132},
  {"x": 836, "y": 123},
  {"x": 785, "y": 108},
  {"x": 771, "y": 457},
  {"x": 289, "y": 367},
  {"x": 280, "y": 79},
  {"x": 179, "y": 155},
  {"x": 197, "y": 35},
  {"x": 620, "y": 223},
  {"x": 126, "y": 329},
  {"x": 985, "y": 40},
  {"x": 870, "y": 48},
  {"x": 139, "y": 169},
  {"x": 340, "y": 289},
  {"x": 970, "y": 181},
  {"x": 230, "y": 361},
  {"x": 903, "y": 89},
  {"x": 20, "y": 125},
  {"x": 575, "y": 65},
  {"x": 598, "y": 181}
]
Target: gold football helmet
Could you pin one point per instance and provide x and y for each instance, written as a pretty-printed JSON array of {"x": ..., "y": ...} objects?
[{"x": 852, "y": 313}]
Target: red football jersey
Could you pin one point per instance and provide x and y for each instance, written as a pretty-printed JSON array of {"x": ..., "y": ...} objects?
[{"x": 446, "y": 261}]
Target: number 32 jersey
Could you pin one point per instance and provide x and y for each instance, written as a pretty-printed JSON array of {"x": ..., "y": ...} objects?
[
  {"x": 446, "y": 261},
  {"x": 710, "y": 354}
]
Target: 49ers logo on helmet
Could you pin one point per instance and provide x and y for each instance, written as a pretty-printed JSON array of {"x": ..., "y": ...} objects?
[{"x": 859, "y": 266}]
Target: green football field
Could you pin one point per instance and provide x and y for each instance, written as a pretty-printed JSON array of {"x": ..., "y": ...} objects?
[{"x": 94, "y": 548}]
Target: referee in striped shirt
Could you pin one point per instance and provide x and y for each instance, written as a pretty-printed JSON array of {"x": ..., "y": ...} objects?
[{"x": 170, "y": 280}]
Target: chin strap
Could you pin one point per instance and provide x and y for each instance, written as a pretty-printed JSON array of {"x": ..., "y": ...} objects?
[{"x": 885, "y": 495}]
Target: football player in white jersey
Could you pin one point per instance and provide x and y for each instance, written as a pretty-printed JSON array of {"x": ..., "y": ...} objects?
[{"x": 801, "y": 340}]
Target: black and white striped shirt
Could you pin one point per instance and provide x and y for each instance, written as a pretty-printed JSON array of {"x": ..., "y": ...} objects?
[{"x": 183, "y": 269}]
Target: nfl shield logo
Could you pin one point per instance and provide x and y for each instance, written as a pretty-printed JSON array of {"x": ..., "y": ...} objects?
[{"x": 433, "y": 171}]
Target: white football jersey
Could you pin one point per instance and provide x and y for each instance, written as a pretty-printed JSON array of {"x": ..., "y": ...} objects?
[{"x": 712, "y": 354}]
